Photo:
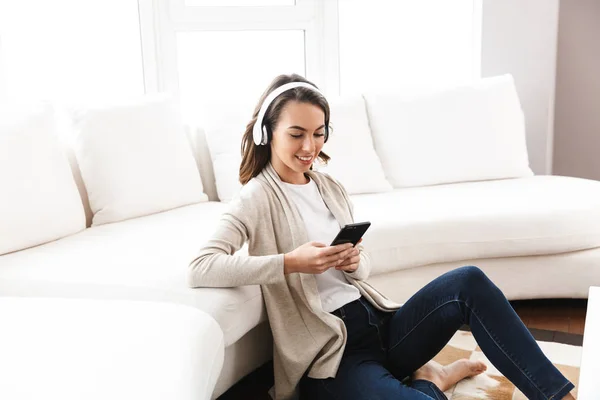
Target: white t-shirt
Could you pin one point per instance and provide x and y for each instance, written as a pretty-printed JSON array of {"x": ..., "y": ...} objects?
[{"x": 321, "y": 226}]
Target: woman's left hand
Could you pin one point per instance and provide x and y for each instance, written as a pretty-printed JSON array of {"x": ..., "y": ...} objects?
[{"x": 350, "y": 263}]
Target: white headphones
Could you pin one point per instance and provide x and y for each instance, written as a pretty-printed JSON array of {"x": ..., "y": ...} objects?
[{"x": 259, "y": 131}]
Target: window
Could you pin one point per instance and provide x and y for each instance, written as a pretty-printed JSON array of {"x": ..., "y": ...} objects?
[
  {"x": 232, "y": 67},
  {"x": 208, "y": 50},
  {"x": 70, "y": 50},
  {"x": 215, "y": 49},
  {"x": 216, "y": 57}
]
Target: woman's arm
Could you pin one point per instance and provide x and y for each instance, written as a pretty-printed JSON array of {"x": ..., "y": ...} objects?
[{"x": 217, "y": 266}]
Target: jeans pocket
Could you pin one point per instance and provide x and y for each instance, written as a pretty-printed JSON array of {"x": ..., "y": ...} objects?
[
  {"x": 376, "y": 323},
  {"x": 375, "y": 318}
]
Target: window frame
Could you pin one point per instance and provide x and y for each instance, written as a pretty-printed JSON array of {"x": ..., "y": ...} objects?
[{"x": 160, "y": 20}]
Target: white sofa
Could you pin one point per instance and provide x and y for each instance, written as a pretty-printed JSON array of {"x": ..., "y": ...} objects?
[
  {"x": 73, "y": 349},
  {"x": 442, "y": 174}
]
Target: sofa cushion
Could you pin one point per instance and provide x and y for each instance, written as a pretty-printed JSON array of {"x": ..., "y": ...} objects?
[
  {"x": 39, "y": 201},
  {"x": 353, "y": 159},
  {"x": 143, "y": 258},
  {"x": 472, "y": 132},
  {"x": 564, "y": 275},
  {"x": 135, "y": 158},
  {"x": 539, "y": 215},
  {"x": 224, "y": 140}
]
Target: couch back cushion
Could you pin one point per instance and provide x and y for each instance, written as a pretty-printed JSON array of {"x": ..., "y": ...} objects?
[
  {"x": 224, "y": 139},
  {"x": 39, "y": 200},
  {"x": 353, "y": 159},
  {"x": 197, "y": 138},
  {"x": 471, "y": 132},
  {"x": 135, "y": 158}
]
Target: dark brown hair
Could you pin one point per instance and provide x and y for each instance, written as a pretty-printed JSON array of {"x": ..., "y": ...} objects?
[{"x": 254, "y": 157}]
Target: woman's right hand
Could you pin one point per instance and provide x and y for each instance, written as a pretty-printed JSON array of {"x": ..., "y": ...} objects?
[{"x": 315, "y": 257}]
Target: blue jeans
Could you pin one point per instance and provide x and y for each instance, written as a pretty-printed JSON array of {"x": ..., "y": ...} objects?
[{"x": 384, "y": 348}]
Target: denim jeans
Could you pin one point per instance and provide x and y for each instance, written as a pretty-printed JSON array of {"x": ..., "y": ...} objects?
[{"x": 383, "y": 349}]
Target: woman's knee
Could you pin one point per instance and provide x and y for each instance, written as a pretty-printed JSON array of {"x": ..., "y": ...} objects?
[{"x": 471, "y": 277}]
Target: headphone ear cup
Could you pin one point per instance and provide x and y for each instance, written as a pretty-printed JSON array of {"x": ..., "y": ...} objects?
[{"x": 265, "y": 136}]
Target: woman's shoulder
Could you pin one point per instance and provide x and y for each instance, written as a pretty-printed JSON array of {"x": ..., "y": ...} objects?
[
  {"x": 249, "y": 197},
  {"x": 253, "y": 191},
  {"x": 326, "y": 180}
]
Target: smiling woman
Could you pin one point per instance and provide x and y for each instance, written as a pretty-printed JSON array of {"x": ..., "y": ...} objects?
[{"x": 335, "y": 335}]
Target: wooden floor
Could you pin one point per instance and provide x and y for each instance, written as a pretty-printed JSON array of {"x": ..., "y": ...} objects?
[
  {"x": 560, "y": 320},
  {"x": 553, "y": 315}
]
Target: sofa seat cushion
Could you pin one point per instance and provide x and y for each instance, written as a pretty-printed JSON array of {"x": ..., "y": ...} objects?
[
  {"x": 538, "y": 215},
  {"x": 143, "y": 258}
]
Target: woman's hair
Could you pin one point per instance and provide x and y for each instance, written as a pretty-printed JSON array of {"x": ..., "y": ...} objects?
[{"x": 254, "y": 157}]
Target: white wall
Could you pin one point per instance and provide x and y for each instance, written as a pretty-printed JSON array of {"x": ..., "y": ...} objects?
[
  {"x": 2, "y": 83},
  {"x": 577, "y": 122},
  {"x": 520, "y": 37}
]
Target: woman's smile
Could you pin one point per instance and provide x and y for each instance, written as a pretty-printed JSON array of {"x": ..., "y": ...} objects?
[{"x": 305, "y": 160}]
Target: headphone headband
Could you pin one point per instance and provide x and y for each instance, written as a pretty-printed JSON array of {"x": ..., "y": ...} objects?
[{"x": 259, "y": 132}]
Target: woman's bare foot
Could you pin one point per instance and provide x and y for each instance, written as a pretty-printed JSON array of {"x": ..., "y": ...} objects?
[{"x": 444, "y": 377}]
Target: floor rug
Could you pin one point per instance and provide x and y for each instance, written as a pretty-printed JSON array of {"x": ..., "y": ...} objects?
[{"x": 492, "y": 384}]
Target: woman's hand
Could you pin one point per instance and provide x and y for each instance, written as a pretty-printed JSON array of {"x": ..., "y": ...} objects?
[
  {"x": 316, "y": 258},
  {"x": 350, "y": 264}
]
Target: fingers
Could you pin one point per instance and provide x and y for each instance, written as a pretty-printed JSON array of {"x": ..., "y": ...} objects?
[
  {"x": 349, "y": 256},
  {"x": 332, "y": 259},
  {"x": 332, "y": 250},
  {"x": 348, "y": 268},
  {"x": 352, "y": 261},
  {"x": 331, "y": 264}
]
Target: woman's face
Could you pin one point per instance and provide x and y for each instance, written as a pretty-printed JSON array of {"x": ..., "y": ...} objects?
[{"x": 299, "y": 133}]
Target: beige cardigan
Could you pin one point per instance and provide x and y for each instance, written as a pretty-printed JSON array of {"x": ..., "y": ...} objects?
[{"x": 305, "y": 337}]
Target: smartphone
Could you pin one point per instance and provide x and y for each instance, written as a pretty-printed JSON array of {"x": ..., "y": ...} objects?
[{"x": 351, "y": 233}]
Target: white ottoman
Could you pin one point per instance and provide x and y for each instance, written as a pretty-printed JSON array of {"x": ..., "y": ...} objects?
[
  {"x": 74, "y": 349},
  {"x": 589, "y": 384}
]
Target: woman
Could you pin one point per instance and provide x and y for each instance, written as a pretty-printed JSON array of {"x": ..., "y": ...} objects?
[{"x": 335, "y": 336}]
